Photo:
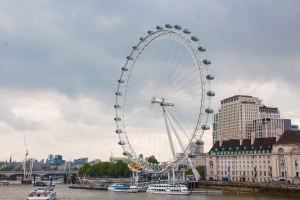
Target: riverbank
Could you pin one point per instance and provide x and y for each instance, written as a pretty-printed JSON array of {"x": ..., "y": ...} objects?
[{"x": 273, "y": 188}]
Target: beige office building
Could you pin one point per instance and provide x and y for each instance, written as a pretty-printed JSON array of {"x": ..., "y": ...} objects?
[{"x": 236, "y": 116}]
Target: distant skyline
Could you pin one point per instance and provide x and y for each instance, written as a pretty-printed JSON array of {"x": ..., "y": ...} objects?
[{"x": 60, "y": 62}]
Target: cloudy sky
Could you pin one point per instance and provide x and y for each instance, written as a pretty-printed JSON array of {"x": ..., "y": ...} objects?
[{"x": 60, "y": 62}]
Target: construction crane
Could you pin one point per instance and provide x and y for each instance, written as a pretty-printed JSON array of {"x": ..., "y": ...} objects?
[
  {"x": 254, "y": 88},
  {"x": 258, "y": 86},
  {"x": 26, "y": 154}
]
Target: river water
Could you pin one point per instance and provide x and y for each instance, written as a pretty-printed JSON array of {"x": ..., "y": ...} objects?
[{"x": 19, "y": 192}]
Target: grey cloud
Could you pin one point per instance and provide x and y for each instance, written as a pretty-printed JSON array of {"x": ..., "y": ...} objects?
[{"x": 18, "y": 123}]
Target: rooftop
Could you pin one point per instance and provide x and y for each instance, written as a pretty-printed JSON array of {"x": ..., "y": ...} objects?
[
  {"x": 263, "y": 143},
  {"x": 289, "y": 137}
]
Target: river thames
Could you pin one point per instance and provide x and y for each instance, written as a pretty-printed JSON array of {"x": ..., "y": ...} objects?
[{"x": 19, "y": 192}]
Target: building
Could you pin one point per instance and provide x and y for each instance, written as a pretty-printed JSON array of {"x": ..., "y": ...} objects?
[
  {"x": 56, "y": 160},
  {"x": 285, "y": 157},
  {"x": 240, "y": 115},
  {"x": 123, "y": 159},
  {"x": 294, "y": 127},
  {"x": 270, "y": 127},
  {"x": 235, "y": 117},
  {"x": 256, "y": 159},
  {"x": 81, "y": 161},
  {"x": 198, "y": 158},
  {"x": 96, "y": 161},
  {"x": 215, "y": 123},
  {"x": 240, "y": 159}
]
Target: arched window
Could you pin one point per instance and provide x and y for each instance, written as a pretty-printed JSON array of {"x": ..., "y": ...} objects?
[{"x": 280, "y": 150}]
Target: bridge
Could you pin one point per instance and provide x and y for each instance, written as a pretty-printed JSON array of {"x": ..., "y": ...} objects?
[
  {"x": 30, "y": 166},
  {"x": 39, "y": 173}
]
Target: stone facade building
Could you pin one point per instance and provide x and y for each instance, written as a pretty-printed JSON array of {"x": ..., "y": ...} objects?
[{"x": 255, "y": 159}]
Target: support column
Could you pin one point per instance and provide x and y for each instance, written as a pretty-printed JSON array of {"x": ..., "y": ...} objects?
[{"x": 169, "y": 133}]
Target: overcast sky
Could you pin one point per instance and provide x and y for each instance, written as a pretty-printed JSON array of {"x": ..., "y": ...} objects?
[{"x": 60, "y": 62}]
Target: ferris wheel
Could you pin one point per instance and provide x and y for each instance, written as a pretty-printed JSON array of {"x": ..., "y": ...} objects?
[{"x": 163, "y": 99}]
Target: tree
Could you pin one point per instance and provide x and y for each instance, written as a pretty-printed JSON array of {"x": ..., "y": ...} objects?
[
  {"x": 74, "y": 168},
  {"x": 126, "y": 171},
  {"x": 200, "y": 169},
  {"x": 111, "y": 169},
  {"x": 83, "y": 169},
  {"x": 88, "y": 171},
  {"x": 7, "y": 168},
  {"x": 103, "y": 168},
  {"x": 153, "y": 160},
  {"x": 119, "y": 168}
]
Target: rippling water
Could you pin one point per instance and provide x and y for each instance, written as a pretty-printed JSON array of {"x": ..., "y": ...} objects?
[{"x": 19, "y": 192}]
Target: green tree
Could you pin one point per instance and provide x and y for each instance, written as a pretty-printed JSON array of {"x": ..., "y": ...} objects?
[
  {"x": 200, "y": 170},
  {"x": 152, "y": 160},
  {"x": 7, "y": 168},
  {"x": 119, "y": 168},
  {"x": 103, "y": 168},
  {"x": 126, "y": 171},
  {"x": 88, "y": 171},
  {"x": 111, "y": 169},
  {"x": 83, "y": 169},
  {"x": 74, "y": 168}
]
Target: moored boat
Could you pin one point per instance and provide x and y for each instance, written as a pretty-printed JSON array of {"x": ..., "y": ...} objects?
[
  {"x": 123, "y": 188},
  {"x": 4, "y": 183},
  {"x": 168, "y": 189},
  {"x": 44, "y": 183},
  {"x": 42, "y": 193}
]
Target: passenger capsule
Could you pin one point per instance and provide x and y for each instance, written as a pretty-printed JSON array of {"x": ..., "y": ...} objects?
[
  {"x": 186, "y": 31},
  {"x": 141, "y": 38},
  {"x": 209, "y": 110},
  {"x": 207, "y": 62},
  {"x": 201, "y": 49},
  {"x": 119, "y": 131},
  {"x": 205, "y": 127},
  {"x": 121, "y": 142},
  {"x": 168, "y": 26},
  {"x": 121, "y": 81},
  {"x": 210, "y": 93},
  {"x": 126, "y": 153},
  {"x": 135, "y": 48},
  {"x": 199, "y": 142},
  {"x": 124, "y": 69},
  {"x": 210, "y": 77},
  {"x": 118, "y": 93},
  {"x": 178, "y": 27},
  {"x": 117, "y": 106},
  {"x": 129, "y": 58},
  {"x": 159, "y": 28},
  {"x": 192, "y": 155},
  {"x": 194, "y": 38},
  {"x": 149, "y": 32},
  {"x": 117, "y": 119}
]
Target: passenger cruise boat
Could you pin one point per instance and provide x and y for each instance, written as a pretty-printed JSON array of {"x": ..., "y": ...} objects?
[
  {"x": 168, "y": 189},
  {"x": 42, "y": 193},
  {"x": 122, "y": 188}
]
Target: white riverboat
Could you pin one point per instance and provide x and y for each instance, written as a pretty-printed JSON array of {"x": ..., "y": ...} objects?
[
  {"x": 168, "y": 189},
  {"x": 42, "y": 193},
  {"x": 122, "y": 188}
]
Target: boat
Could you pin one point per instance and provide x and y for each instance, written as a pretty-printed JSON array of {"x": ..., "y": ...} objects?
[
  {"x": 42, "y": 193},
  {"x": 44, "y": 183},
  {"x": 4, "y": 183},
  {"x": 122, "y": 188},
  {"x": 168, "y": 189}
]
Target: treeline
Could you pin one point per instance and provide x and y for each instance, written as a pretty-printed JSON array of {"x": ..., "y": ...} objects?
[{"x": 119, "y": 169}]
